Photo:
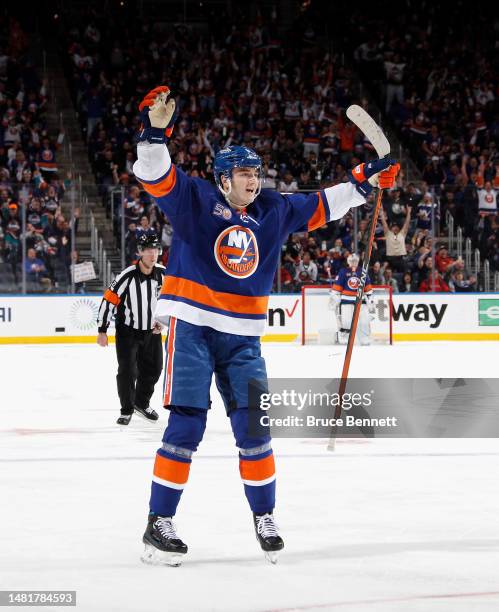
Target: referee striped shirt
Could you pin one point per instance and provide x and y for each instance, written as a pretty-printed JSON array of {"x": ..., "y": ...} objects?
[{"x": 132, "y": 296}]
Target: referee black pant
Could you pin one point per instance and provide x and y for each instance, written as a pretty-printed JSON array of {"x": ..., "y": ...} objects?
[{"x": 140, "y": 362}]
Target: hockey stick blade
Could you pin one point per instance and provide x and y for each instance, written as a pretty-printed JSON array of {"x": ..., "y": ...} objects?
[{"x": 369, "y": 128}]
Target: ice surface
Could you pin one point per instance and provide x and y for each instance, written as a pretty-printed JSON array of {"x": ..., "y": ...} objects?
[{"x": 384, "y": 525}]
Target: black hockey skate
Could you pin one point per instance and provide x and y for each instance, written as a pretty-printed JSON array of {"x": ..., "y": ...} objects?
[
  {"x": 147, "y": 413},
  {"x": 124, "y": 419},
  {"x": 266, "y": 533},
  {"x": 162, "y": 545}
]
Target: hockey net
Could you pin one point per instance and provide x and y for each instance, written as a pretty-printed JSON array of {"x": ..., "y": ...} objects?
[{"x": 319, "y": 323}]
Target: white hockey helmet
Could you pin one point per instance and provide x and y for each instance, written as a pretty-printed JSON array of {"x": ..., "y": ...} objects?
[{"x": 353, "y": 260}]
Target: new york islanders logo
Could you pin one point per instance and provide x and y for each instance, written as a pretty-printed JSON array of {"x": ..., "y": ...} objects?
[
  {"x": 353, "y": 283},
  {"x": 47, "y": 155},
  {"x": 236, "y": 251}
]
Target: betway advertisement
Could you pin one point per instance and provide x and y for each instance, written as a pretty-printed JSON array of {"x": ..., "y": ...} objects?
[{"x": 416, "y": 317}]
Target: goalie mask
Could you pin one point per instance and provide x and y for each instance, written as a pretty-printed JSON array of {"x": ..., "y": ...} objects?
[
  {"x": 232, "y": 157},
  {"x": 353, "y": 260}
]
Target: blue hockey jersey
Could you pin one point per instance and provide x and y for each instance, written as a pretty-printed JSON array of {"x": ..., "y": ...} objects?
[
  {"x": 347, "y": 283},
  {"x": 222, "y": 262}
]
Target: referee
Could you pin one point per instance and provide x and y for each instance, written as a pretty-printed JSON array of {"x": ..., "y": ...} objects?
[{"x": 133, "y": 295}]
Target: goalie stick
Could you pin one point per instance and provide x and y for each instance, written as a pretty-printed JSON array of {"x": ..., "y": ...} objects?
[{"x": 373, "y": 132}]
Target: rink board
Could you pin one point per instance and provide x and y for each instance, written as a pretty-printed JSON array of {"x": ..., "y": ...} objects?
[{"x": 416, "y": 317}]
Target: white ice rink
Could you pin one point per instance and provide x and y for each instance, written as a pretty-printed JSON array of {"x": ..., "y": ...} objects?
[{"x": 377, "y": 526}]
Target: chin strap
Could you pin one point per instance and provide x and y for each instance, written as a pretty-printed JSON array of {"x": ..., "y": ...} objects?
[{"x": 227, "y": 193}]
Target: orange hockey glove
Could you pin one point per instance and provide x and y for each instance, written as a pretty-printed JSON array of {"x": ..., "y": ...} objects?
[
  {"x": 387, "y": 177},
  {"x": 157, "y": 113}
]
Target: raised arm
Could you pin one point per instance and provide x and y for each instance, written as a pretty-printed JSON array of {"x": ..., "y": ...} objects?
[
  {"x": 307, "y": 213},
  {"x": 383, "y": 220},
  {"x": 405, "y": 227},
  {"x": 154, "y": 168}
]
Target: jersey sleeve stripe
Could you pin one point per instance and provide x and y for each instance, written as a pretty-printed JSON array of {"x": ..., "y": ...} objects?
[
  {"x": 196, "y": 292},
  {"x": 319, "y": 217},
  {"x": 110, "y": 296},
  {"x": 162, "y": 186}
]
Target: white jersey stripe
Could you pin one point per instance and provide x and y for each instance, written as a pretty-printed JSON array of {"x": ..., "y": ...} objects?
[
  {"x": 259, "y": 483},
  {"x": 167, "y": 483},
  {"x": 198, "y": 316}
]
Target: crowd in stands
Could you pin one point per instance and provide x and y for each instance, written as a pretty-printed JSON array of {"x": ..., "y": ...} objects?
[
  {"x": 435, "y": 74},
  {"x": 239, "y": 83},
  {"x": 29, "y": 180},
  {"x": 401, "y": 257}
]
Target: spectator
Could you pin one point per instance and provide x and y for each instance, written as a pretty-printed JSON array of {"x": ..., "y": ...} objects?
[
  {"x": 394, "y": 81},
  {"x": 36, "y": 272},
  {"x": 288, "y": 184},
  {"x": 309, "y": 267},
  {"x": 144, "y": 229},
  {"x": 408, "y": 285},
  {"x": 286, "y": 280},
  {"x": 459, "y": 284},
  {"x": 395, "y": 207},
  {"x": 334, "y": 261},
  {"x": 425, "y": 211},
  {"x": 377, "y": 273},
  {"x": 363, "y": 234},
  {"x": 395, "y": 241},
  {"x": 434, "y": 283},
  {"x": 460, "y": 267},
  {"x": 443, "y": 261},
  {"x": 487, "y": 200},
  {"x": 131, "y": 254},
  {"x": 95, "y": 111},
  {"x": 303, "y": 279},
  {"x": 166, "y": 236},
  {"x": 434, "y": 174},
  {"x": 389, "y": 280}
]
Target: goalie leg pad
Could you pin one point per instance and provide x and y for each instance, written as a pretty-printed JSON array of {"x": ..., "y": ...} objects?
[
  {"x": 364, "y": 328},
  {"x": 346, "y": 317}
]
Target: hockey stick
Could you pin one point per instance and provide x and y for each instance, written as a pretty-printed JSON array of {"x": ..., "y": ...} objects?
[{"x": 371, "y": 129}]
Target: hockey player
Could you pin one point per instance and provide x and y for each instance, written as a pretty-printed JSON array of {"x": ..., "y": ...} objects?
[
  {"x": 342, "y": 301},
  {"x": 226, "y": 247}
]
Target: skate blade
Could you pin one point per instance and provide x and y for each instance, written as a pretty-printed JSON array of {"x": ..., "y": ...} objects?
[
  {"x": 153, "y": 556},
  {"x": 271, "y": 556}
]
